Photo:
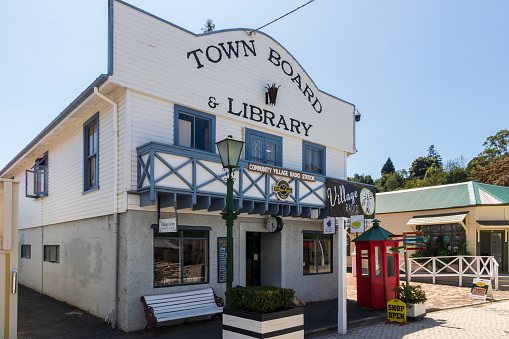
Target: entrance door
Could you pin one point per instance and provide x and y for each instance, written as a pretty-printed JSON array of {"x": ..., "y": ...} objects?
[
  {"x": 253, "y": 256},
  {"x": 492, "y": 243}
]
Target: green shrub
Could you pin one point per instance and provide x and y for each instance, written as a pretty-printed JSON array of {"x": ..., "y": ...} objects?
[
  {"x": 260, "y": 299},
  {"x": 412, "y": 294}
]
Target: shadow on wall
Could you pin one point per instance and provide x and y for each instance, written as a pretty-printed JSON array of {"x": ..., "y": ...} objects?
[{"x": 85, "y": 260}]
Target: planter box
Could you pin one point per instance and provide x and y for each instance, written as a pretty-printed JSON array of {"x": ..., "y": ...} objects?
[
  {"x": 278, "y": 325},
  {"x": 416, "y": 312}
]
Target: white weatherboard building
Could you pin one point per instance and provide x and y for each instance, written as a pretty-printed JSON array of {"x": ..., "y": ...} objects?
[{"x": 141, "y": 139}]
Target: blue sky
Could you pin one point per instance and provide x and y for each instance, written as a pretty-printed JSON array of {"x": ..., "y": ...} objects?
[{"x": 420, "y": 72}]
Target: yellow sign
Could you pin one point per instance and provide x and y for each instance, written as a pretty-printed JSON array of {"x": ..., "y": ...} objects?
[
  {"x": 283, "y": 189},
  {"x": 396, "y": 311}
]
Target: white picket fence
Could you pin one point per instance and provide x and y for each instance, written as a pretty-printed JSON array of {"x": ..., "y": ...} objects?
[{"x": 469, "y": 266}]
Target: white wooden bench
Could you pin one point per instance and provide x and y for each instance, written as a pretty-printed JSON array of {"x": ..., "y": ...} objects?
[{"x": 181, "y": 305}]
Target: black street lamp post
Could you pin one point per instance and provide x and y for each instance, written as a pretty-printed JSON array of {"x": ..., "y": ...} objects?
[{"x": 229, "y": 151}]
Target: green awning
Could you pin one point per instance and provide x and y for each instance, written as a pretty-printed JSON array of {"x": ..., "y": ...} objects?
[
  {"x": 502, "y": 224},
  {"x": 438, "y": 219}
]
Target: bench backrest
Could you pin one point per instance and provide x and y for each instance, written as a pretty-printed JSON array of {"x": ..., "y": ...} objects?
[{"x": 182, "y": 301}]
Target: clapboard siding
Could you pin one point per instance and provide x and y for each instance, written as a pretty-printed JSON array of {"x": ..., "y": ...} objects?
[
  {"x": 150, "y": 57},
  {"x": 65, "y": 201}
]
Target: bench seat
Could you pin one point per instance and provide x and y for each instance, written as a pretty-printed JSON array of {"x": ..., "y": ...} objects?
[{"x": 164, "y": 307}]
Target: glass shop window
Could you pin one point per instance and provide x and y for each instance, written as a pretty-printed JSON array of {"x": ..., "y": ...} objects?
[
  {"x": 444, "y": 239},
  {"x": 181, "y": 258},
  {"x": 317, "y": 253}
]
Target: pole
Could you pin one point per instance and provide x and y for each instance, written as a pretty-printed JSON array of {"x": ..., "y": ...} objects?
[
  {"x": 229, "y": 216},
  {"x": 407, "y": 273},
  {"x": 341, "y": 275}
]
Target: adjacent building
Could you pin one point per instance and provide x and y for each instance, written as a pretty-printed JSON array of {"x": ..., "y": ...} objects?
[{"x": 138, "y": 145}]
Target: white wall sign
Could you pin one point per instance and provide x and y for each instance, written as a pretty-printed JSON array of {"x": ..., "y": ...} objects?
[
  {"x": 167, "y": 225},
  {"x": 356, "y": 224},
  {"x": 329, "y": 225}
]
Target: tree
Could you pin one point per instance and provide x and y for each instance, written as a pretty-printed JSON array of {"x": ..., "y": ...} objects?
[
  {"x": 421, "y": 165},
  {"x": 209, "y": 26},
  {"x": 388, "y": 167},
  {"x": 495, "y": 172},
  {"x": 496, "y": 145},
  {"x": 364, "y": 179},
  {"x": 456, "y": 175},
  {"x": 433, "y": 154}
]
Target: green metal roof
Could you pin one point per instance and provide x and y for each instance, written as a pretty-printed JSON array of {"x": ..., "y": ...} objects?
[
  {"x": 440, "y": 197},
  {"x": 375, "y": 233}
]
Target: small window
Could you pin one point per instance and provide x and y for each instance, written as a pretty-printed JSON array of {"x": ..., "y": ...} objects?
[
  {"x": 313, "y": 158},
  {"x": 52, "y": 253},
  {"x": 264, "y": 148},
  {"x": 36, "y": 179},
  {"x": 91, "y": 154},
  {"x": 26, "y": 251},
  {"x": 194, "y": 129},
  {"x": 317, "y": 253},
  {"x": 181, "y": 258}
]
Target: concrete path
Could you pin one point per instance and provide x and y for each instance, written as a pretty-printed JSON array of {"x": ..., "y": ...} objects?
[{"x": 489, "y": 320}]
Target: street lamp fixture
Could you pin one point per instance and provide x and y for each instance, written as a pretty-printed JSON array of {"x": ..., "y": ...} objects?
[{"x": 229, "y": 151}]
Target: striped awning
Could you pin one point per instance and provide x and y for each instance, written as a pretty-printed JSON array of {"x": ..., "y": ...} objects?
[
  {"x": 500, "y": 224},
  {"x": 438, "y": 219}
]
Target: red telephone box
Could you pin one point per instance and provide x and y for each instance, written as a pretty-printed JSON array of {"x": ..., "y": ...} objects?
[{"x": 377, "y": 267}]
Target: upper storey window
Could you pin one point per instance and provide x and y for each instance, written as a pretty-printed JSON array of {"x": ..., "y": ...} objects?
[
  {"x": 264, "y": 148},
  {"x": 91, "y": 154},
  {"x": 313, "y": 158},
  {"x": 194, "y": 129}
]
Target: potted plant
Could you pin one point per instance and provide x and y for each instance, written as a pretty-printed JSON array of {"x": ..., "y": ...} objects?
[
  {"x": 262, "y": 311},
  {"x": 414, "y": 297}
]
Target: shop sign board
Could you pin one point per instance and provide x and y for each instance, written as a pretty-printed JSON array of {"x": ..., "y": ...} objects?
[
  {"x": 481, "y": 288},
  {"x": 280, "y": 171},
  {"x": 221, "y": 259},
  {"x": 357, "y": 224},
  {"x": 168, "y": 225},
  {"x": 345, "y": 198},
  {"x": 329, "y": 225},
  {"x": 396, "y": 311}
]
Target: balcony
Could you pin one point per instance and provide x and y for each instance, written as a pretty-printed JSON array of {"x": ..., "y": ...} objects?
[{"x": 195, "y": 179}]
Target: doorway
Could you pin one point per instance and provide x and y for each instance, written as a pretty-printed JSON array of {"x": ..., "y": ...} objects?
[
  {"x": 253, "y": 256},
  {"x": 493, "y": 243}
]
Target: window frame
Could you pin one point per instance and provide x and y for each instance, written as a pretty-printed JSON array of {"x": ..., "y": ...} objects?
[
  {"x": 278, "y": 140},
  {"x": 318, "y": 233},
  {"x": 181, "y": 238},
  {"x": 48, "y": 259},
  {"x": 86, "y": 158},
  {"x": 189, "y": 111},
  {"x": 24, "y": 255},
  {"x": 323, "y": 149}
]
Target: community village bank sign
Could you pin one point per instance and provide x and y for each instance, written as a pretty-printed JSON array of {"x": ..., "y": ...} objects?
[{"x": 224, "y": 51}]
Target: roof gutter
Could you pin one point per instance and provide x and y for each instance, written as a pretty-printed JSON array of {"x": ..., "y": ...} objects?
[{"x": 61, "y": 117}]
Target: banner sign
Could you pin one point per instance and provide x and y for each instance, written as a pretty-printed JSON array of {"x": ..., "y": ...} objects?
[
  {"x": 481, "y": 288},
  {"x": 345, "y": 198},
  {"x": 396, "y": 311},
  {"x": 357, "y": 224},
  {"x": 280, "y": 171},
  {"x": 221, "y": 260},
  {"x": 329, "y": 225},
  {"x": 167, "y": 225}
]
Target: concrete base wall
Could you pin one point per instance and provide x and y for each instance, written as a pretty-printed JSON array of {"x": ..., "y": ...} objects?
[{"x": 84, "y": 275}]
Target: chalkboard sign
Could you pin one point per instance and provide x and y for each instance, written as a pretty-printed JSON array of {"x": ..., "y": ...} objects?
[{"x": 221, "y": 259}]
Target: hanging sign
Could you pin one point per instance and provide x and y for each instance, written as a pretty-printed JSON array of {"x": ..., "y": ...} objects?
[
  {"x": 345, "y": 198},
  {"x": 396, "y": 311},
  {"x": 329, "y": 225},
  {"x": 167, "y": 225},
  {"x": 282, "y": 189},
  {"x": 357, "y": 224},
  {"x": 481, "y": 288},
  {"x": 221, "y": 260}
]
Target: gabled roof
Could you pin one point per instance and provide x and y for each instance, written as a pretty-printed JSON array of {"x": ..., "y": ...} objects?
[
  {"x": 463, "y": 194},
  {"x": 375, "y": 233}
]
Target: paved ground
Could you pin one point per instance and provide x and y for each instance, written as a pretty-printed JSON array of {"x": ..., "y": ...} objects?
[
  {"x": 43, "y": 317},
  {"x": 489, "y": 320}
]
